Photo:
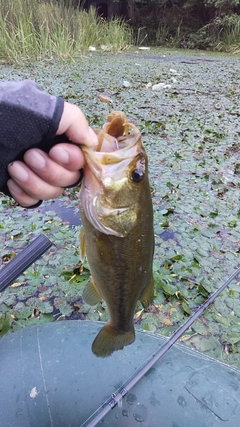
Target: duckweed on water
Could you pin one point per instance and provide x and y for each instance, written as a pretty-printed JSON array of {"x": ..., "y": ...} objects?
[{"x": 191, "y": 131}]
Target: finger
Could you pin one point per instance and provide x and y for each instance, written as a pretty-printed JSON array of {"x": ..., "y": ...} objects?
[
  {"x": 19, "y": 195},
  {"x": 74, "y": 124},
  {"x": 50, "y": 171},
  {"x": 93, "y": 136},
  {"x": 31, "y": 183},
  {"x": 70, "y": 156}
]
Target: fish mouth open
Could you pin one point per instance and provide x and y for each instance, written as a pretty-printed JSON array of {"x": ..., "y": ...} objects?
[
  {"x": 114, "y": 162},
  {"x": 108, "y": 197},
  {"x": 118, "y": 143}
]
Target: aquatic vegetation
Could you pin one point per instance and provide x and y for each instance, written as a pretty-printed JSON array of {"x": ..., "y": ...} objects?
[{"x": 191, "y": 134}]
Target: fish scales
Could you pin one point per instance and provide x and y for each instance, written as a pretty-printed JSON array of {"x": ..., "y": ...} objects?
[{"x": 117, "y": 236}]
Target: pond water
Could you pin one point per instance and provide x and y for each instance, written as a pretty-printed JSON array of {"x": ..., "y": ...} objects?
[{"x": 66, "y": 213}]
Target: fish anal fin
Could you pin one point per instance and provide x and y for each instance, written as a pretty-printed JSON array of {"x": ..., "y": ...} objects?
[
  {"x": 109, "y": 340},
  {"x": 91, "y": 295},
  {"x": 146, "y": 298},
  {"x": 82, "y": 248}
]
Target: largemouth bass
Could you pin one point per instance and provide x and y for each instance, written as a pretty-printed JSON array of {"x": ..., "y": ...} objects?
[{"x": 117, "y": 234}]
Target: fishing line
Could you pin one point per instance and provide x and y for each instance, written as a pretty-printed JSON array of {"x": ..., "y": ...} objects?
[{"x": 116, "y": 397}]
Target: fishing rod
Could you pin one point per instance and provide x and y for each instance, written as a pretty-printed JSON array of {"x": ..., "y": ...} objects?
[
  {"x": 23, "y": 260},
  {"x": 116, "y": 397}
]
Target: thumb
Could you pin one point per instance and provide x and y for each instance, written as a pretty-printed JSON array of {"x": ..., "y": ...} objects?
[{"x": 75, "y": 126}]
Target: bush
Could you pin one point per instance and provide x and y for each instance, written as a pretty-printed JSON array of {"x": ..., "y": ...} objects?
[
  {"x": 198, "y": 24},
  {"x": 230, "y": 34},
  {"x": 223, "y": 33}
]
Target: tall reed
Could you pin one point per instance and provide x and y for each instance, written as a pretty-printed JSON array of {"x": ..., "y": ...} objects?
[{"x": 33, "y": 29}]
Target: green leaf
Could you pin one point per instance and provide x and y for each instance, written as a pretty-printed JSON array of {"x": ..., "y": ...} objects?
[
  {"x": 177, "y": 257},
  {"x": 203, "y": 291},
  {"x": 186, "y": 308},
  {"x": 5, "y": 324},
  {"x": 168, "y": 289}
]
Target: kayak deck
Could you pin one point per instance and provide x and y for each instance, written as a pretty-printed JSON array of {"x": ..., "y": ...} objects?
[{"x": 50, "y": 378}]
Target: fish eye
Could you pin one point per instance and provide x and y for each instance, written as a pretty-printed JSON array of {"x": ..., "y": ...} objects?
[{"x": 137, "y": 175}]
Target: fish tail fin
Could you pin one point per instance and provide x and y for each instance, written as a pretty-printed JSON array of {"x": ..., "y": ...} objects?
[
  {"x": 146, "y": 298},
  {"x": 109, "y": 340}
]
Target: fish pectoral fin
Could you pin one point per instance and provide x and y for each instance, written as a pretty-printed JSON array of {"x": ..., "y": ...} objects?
[
  {"x": 109, "y": 340},
  {"x": 82, "y": 248},
  {"x": 146, "y": 298},
  {"x": 91, "y": 294}
]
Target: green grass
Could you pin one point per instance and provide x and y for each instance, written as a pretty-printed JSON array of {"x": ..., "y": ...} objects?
[
  {"x": 230, "y": 37},
  {"x": 33, "y": 30}
]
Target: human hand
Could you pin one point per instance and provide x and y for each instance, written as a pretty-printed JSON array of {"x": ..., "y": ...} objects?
[{"x": 42, "y": 176}]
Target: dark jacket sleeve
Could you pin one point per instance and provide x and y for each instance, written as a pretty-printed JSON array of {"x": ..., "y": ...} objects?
[{"x": 29, "y": 117}]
